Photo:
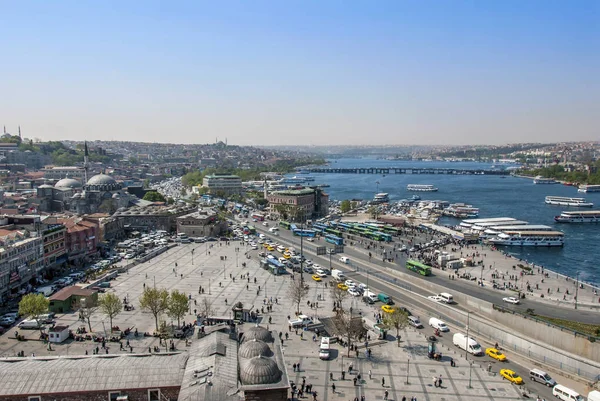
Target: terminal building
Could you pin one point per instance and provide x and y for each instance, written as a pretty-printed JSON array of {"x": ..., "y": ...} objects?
[
  {"x": 223, "y": 183},
  {"x": 202, "y": 223},
  {"x": 299, "y": 204}
]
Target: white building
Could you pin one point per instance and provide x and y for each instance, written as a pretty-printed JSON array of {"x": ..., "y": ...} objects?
[
  {"x": 21, "y": 259},
  {"x": 228, "y": 184}
]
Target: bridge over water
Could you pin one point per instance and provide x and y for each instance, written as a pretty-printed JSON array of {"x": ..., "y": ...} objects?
[{"x": 406, "y": 170}]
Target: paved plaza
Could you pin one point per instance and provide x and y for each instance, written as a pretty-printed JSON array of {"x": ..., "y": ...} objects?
[{"x": 217, "y": 268}]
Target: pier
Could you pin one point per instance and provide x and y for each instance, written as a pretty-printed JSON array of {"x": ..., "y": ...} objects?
[{"x": 407, "y": 170}]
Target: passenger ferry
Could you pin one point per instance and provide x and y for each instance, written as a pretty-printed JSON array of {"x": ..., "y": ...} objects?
[
  {"x": 381, "y": 197},
  {"x": 421, "y": 188},
  {"x": 541, "y": 180},
  {"x": 588, "y": 188},
  {"x": 587, "y": 216},
  {"x": 566, "y": 201},
  {"x": 528, "y": 238},
  {"x": 461, "y": 210}
]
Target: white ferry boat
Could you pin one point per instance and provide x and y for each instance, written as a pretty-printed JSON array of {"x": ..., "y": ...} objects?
[
  {"x": 566, "y": 201},
  {"x": 587, "y": 216},
  {"x": 381, "y": 197},
  {"x": 588, "y": 188},
  {"x": 528, "y": 238},
  {"x": 461, "y": 210},
  {"x": 293, "y": 180},
  {"x": 541, "y": 180},
  {"x": 421, "y": 188}
]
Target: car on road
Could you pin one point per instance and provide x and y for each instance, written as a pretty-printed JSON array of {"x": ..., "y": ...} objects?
[
  {"x": 316, "y": 277},
  {"x": 511, "y": 300},
  {"x": 354, "y": 292},
  {"x": 350, "y": 283},
  {"x": 301, "y": 320},
  {"x": 321, "y": 273},
  {"x": 435, "y": 298},
  {"x": 494, "y": 353},
  {"x": 310, "y": 239},
  {"x": 308, "y": 269},
  {"x": 511, "y": 376},
  {"x": 387, "y": 308},
  {"x": 266, "y": 224},
  {"x": 342, "y": 286}
]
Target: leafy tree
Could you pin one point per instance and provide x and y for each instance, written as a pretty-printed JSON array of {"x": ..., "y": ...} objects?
[
  {"x": 155, "y": 301},
  {"x": 154, "y": 196},
  {"x": 206, "y": 308},
  {"x": 111, "y": 306},
  {"x": 397, "y": 319},
  {"x": 178, "y": 305},
  {"x": 87, "y": 309},
  {"x": 350, "y": 325},
  {"x": 32, "y": 306},
  {"x": 192, "y": 179},
  {"x": 345, "y": 206},
  {"x": 183, "y": 191},
  {"x": 372, "y": 211},
  {"x": 297, "y": 291}
]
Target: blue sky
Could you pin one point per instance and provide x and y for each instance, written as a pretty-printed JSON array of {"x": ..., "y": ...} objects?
[{"x": 302, "y": 72}]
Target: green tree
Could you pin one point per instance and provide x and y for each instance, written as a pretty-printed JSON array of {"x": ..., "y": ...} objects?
[
  {"x": 192, "y": 179},
  {"x": 372, "y": 211},
  {"x": 155, "y": 301},
  {"x": 397, "y": 319},
  {"x": 345, "y": 206},
  {"x": 178, "y": 306},
  {"x": 32, "y": 306},
  {"x": 183, "y": 191},
  {"x": 111, "y": 306},
  {"x": 153, "y": 196}
]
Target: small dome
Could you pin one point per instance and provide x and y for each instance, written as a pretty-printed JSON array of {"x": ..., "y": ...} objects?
[
  {"x": 101, "y": 179},
  {"x": 259, "y": 333},
  {"x": 68, "y": 183},
  {"x": 260, "y": 370},
  {"x": 254, "y": 348},
  {"x": 45, "y": 186}
]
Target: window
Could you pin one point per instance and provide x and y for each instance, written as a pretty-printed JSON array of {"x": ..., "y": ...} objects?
[
  {"x": 154, "y": 395},
  {"x": 34, "y": 398},
  {"x": 113, "y": 395}
]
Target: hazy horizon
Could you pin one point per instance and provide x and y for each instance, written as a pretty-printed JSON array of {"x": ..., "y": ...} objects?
[{"x": 302, "y": 73}]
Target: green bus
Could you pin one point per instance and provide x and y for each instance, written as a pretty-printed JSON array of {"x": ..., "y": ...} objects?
[
  {"x": 333, "y": 231},
  {"x": 418, "y": 267},
  {"x": 391, "y": 230},
  {"x": 285, "y": 224}
]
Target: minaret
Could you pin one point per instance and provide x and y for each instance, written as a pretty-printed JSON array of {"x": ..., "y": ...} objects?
[
  {"x": 20, "y": 132},
  {"x": 85, "y": 162}
]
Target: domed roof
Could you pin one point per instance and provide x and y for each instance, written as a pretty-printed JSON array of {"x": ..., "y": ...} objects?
[
  {"x": 260, "y": 370},
  {"x": 68, "y": 183},
  {"x": 45, "y": 186},
  {"x": 101, "y": 179},
  {"x": 259, "y": 333},
  {"x": 254, "y": 348}
]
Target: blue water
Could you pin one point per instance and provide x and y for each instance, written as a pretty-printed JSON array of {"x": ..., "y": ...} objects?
[{"x": 494, "y": 196}]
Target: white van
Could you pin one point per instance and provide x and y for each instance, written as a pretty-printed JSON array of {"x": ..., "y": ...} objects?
[
  {"x": 438, "y": 324},
  {"x": 447, "y": 298},
  {"x": 564, "y": 393},
  {"x": 345, "y": 259},
  {"x": 338, "y": 275},
  {"x": 540, "y": 376},
  {"x": 324, "y": 349},
  {"x": 469, "y": 345},
  {"x": 29, "y": 324},
  {"x": 281, "y": 249},
  {"x": 593, "y": 396},
  {"x": 372, "y": 296},
  {"x": 415, "y": 322}
]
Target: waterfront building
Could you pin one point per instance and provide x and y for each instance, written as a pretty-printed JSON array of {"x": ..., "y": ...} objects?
[
  {"x": 201, "y": 223},
  {"x": 21, "y": 260},
  {"x": 225, "y": 183},
  {"x": 299, "y": 204}
]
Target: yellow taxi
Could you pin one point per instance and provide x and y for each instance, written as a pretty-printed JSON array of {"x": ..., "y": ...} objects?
[
  {"x": 266, "y": 245},
  {"x": 387, "y": 308},
  {"x": 270, "y": 249},
  {"x": 494, "y": 353},
  {"x": 316, "y": 277},
  {"x": 511, "y": 376},
  {"x": 342, "y": 286},
  {"x": 287, "y": 255}
]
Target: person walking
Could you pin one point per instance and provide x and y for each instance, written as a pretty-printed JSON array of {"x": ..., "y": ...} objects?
[
  {"x": 333, "y": 388},
  {"x": 440, "y": 381},
  {"x": 383, "y": 382},
  {"x": 435, "y": 381},
  {"x": 385, "y": 395},
  {"x": 370, "y": 374}
]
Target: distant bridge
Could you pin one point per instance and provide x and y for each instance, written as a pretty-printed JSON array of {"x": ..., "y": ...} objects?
[{"x": 406, "y": 170}]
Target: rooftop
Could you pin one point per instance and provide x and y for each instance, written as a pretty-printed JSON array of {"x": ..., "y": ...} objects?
[
  {"x": 66, "y": 292},
  {"x": 48, "y": 375},
  {"x": 224, "y": 176},
  {"x": 295, "y": 192}
]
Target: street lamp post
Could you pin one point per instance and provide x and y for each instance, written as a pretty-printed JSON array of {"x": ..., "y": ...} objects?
[
  {"x": 467, "y": 344},
  {"x": 224, "y": 268},
  {"x": 470, "y": 368},
  {"x": 576, "y": 290},
  {"x": 407, "y": 369},
  {"x": 193, "y": 249},
  {"x": 209, "y": 287}
]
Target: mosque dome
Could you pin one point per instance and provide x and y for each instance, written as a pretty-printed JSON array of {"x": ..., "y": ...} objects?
[
  {"x": 67, "y": 183},
  {"x": 259, "y": 370},
  {"x": 259, "y": 333},
  {"x": 254, "y": 348},
  {"x": 101, "y": 179}
]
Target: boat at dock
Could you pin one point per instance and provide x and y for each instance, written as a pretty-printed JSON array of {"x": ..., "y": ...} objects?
[
  {"x": 421, "y": 188},
  {"x": 461, "y": 211},
  {"x": 528, "y": 238},
  {"x": 587, "y": 216},
  {"x": 567, "y": 201},
  {"x": 588, "y": 188},
  {"x": 542, "y": 180},
  {"x": 381, "y": 197}
]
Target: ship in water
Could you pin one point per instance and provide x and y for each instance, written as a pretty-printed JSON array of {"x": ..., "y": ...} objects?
[
  {"x": 542, "y": 180},
  {"x": 461, "y": 210},
  {"x": 587, "y": 216},
  {"x": 527, "y": 238},
  {"x": 567, "y": 201},
  {"x": 421, "y": 188},
  {"x": 588, "y": 188},
  {"x": 381, "y": 197}
]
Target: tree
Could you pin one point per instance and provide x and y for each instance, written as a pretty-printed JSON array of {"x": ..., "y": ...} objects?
[
  {"x": 111, "y": 306},
  {"x": 349, "y": 325},
  {"x": 397, "y": 319},
  {"x": 32, "y": 306},
  {"x": 192, "y": 179},
  {"x": 87, "y": 309},
  {"x": 338, "y": 295},
  {"x": 153, "y": 196},
  {"x": 297, "y": 291},
  {"x": 345, "y": 206},
  {"x": 155, "y": 301},
  {"x": 206, "y": 308},
  {"x": 372, "y": 211},
  {"x": 178, "y": 305},
  {"x": 183, "y": 191}
]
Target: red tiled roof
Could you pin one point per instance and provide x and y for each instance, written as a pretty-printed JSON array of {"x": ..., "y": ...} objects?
[{"x": 67, "y": 292}]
